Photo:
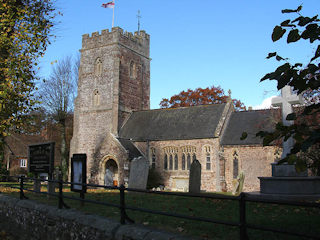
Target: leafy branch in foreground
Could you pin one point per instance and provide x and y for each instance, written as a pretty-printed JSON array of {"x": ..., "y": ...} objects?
[{"x": 304, "y": 79}]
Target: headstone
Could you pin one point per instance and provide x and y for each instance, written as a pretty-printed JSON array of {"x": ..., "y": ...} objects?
[
  {"x": 237, "y": 184},
  {"x": 108, "y": 178},
  {"x": 195, "y": 177},
  {"x": 139, "y": 170},
  {"x": 37, "y": 185},
  {"x": 51, "y": 189}
]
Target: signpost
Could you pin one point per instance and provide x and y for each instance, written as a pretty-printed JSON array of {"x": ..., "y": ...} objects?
[{"x": 41, "y": 158}]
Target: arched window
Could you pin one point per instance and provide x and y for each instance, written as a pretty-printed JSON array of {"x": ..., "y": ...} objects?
[
  {"x": 194, "y": 157},
  {"x": 165, "y": 164},
  {"x": 208, "y": 162},
  {"x": 176, "y": 162},
  {"x": 96, "y": 98},
  {"x": 98, "y": 67},
  {"x": 183, "y": 167},
  {"x": 170, "y": 162},
  {"x": 152, "y": 157},
  {"x": 235, "y": 167},
  {"x": 188, "y": 161},
  {"x": 153, "y": 163},
  {"x": 207, "y": 150}
]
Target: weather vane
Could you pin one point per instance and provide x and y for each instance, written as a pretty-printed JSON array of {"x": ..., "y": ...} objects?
[{"x": 138, "y": 16}]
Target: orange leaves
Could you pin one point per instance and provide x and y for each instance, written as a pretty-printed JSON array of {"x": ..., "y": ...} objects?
[{"x": 199, "y": 96}]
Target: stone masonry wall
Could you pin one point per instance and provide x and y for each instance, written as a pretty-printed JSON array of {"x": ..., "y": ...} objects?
[
  {"x": 25, "y": 220},
  {"x": 107, "y": 94},
  {"x": 208, "y": 177},
  {"x": 254, "y": 161}
]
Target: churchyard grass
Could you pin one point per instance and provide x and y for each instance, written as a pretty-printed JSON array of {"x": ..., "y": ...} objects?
[{"x": 301, "y": 219}]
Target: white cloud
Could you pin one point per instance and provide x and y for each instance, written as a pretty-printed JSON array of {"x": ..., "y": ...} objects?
[{"x": 266, "y": 103}]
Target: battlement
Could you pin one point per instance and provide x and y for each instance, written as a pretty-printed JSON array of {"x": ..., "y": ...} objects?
[{"x": 116, "y": 34}]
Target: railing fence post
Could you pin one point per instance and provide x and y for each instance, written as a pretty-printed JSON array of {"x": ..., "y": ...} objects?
[
  {"x": 122, "y": 205},
  {"x": 60, "y": 193},
  {"x": 21, "y": 187},
  {"x": 242, "y": 209}
]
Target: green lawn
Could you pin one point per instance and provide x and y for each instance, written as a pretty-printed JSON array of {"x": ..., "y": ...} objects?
[{"x": 304, "y": 220}]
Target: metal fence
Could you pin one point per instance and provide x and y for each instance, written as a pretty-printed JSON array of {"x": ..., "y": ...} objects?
[{"x": 243, "y": 198}]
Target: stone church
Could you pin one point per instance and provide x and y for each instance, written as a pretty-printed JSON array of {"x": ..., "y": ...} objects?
[{"x": 113, "y": 123}]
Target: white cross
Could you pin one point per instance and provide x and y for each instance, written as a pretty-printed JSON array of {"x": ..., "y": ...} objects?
[{"x": 286, "y": 101}]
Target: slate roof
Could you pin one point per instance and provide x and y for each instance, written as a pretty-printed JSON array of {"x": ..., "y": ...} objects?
[
  {"x": 250, "y": 122},
  {"x": 130, "y": 147},
  {"x": 173, "y": 123}
]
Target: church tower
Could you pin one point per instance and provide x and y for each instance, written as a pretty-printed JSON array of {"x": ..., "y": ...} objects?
[{"x": 114, "y": 80}]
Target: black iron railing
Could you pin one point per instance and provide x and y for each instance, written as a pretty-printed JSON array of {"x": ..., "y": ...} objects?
[{"x": 242, "y": 199}]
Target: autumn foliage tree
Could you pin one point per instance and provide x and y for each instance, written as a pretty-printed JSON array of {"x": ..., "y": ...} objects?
[
  {"x": 200, "y": 96},
  {"x": 25, "y": 27}
]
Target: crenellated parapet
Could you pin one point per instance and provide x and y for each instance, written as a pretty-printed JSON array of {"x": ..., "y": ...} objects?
[{"x": 137, "y": 41}]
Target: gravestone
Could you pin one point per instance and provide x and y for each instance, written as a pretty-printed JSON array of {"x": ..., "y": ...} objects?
[
  {"x": 37, "y": 185},
  {"x": 51, "y": 189},
  {"x": 237, "y": 184},
  {"x": 139, "y": 170},
  {"x": 195, "y": 177}
]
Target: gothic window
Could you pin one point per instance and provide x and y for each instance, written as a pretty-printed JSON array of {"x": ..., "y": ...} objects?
[
  {"x": 235, "y": 164},
  {"x": 171, "y": 154},
  {"x": 207, "y": 150},
  {"x": 132, "y": 69},
  {"x": 188, "y": 154},
  {"x": 153, "y": 164},
  {"x": 176, "y": 162},
  {"x": 183, "y": 167},
  {"x": 235, "y": 167},
  {"x": 96, "y": 98},
  {"x": 170, "y": 162},
  {"x": 194, "y": 157},
  {"x": 98, "y": 67},
  {"x": 208, "y": 162},
  {"x": 188, "y": 161},
  {"x": 165, "y": 164}
]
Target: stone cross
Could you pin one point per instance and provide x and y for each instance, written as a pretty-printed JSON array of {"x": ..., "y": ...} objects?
[{"x": 286, "y": 101}]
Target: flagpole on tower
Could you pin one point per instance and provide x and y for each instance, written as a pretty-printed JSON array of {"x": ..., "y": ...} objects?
[{"x": 113, "y": 13}]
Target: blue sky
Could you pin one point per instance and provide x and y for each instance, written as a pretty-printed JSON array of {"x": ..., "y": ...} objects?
[{"x": 193, "y": 43}]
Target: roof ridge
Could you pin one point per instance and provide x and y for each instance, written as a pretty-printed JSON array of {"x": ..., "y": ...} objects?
[{"x": 176, "y": 108}]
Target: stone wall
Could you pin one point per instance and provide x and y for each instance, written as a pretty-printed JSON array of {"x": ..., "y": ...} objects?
[
  {"x": 208, "y": 177},
  {"x": 26, "y": 220},
  {"x": 254, "y": 161},
  {"x": 107, "y": 92}
]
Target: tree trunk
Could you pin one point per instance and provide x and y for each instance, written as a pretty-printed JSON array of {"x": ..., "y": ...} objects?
[{"x": 63, "y": 151}]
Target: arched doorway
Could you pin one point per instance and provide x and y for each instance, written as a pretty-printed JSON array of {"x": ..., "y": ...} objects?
[{"x": 113, "y": 167}]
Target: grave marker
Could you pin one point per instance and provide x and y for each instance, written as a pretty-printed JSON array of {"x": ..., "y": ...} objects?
[
  {"x": 195, "y": 177},
  {"x": 139, "y": 170}
]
